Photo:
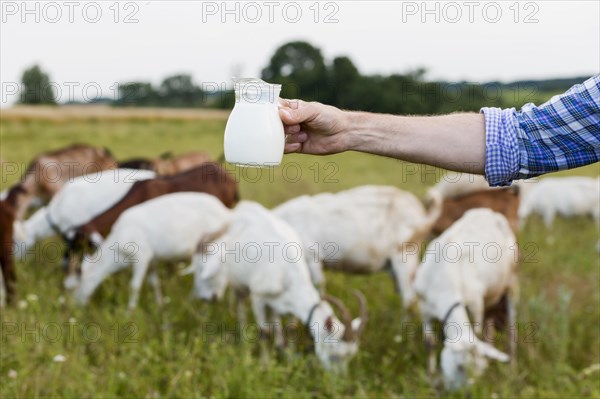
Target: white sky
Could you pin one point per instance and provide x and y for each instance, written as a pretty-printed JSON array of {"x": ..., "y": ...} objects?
[{"x": 379, "y": 36}]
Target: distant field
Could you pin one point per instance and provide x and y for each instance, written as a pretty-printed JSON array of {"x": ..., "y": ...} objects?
[
  {"x": 69, "y": 113},
  {"x": 168, "y": 352}
]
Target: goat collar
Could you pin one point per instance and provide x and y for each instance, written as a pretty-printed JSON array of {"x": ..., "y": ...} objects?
[
  {"x": 310, "y": 315},
  {"x": 449, "y": 312},
  {"x": 55, "y": 227}
]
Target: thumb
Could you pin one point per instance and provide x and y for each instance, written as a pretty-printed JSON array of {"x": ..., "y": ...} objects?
[{"x": 293, "y": 112}]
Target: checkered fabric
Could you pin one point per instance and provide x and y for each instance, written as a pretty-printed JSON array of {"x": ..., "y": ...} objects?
[{"x": 563, "y": 133}]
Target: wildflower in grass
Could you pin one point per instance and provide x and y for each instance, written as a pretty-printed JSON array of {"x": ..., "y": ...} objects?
[
  {"x": 59, "y": 359},
  {"x": 22, "y": 304},
  {"x": 12, "y": 374},
  {"x": 32, "y": 297}
]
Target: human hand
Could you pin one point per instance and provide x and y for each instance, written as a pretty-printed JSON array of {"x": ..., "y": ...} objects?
[{"x": 312, "y": 127}]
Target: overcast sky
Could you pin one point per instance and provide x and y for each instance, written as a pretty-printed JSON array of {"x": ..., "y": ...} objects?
[{"x": 474, "y": 41}]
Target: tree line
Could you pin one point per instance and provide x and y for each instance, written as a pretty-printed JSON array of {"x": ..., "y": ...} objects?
[{"x": 304, "y": 73}]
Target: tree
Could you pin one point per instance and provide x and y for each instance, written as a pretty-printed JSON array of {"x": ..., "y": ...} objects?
[
  {"x": 179, "y": 90},
  {"x": 301, "y": 69},
  {"x": 344, "y": 77},
  {"x": 137, "y": 94},
  {"x": 36, "y": 87}
]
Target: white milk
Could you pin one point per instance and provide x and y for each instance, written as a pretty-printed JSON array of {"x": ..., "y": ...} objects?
[{"x": 254, "y": 133}]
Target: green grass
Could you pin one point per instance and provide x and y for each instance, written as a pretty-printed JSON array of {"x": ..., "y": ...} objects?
[{"x": 169, "y": 352}]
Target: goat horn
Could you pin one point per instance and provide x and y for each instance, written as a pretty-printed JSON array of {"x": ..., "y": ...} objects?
[
  {"x": 345, "y": 315},
  {"x": 364, "y": 312}
]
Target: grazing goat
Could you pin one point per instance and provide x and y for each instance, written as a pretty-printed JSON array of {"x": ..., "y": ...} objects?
[
  {"x": 362, "y": 230},
  {"x": 472, "y": 265},
  {"x": 77, "y": 202},
  {"x": 7, "y": 285},
  {"x": 169, "y": 227},
  {"x": 268, "y": 262},
  {"x": 48, "y": 172},
  {"x": 207, "y": 178},
  {"x": 168, "y": 164},
  {"x": 504, "y": 200},
  {"x": 565, "y": 196}
]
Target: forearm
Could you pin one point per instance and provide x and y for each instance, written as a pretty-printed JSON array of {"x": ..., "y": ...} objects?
[{"x": 455, "y": 142}]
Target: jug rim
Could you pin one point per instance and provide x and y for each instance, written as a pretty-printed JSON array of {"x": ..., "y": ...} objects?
[{"x": 259, "y": 81}]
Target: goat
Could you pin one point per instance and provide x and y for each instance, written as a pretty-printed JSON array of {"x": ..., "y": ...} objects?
[
  {"x": 362, "y": 230},
  {"x": 167, "y": 164},
  {"x": 169, "y": 227},
  {"x": 458, "y": 273},
  {"x": 565, "y": 196},
  {"x": 207, "y": 178},
  {"x": 77, "y": 202},
  {"x": 9, "y": 278},
  {"x": 138, "y": 163},
  {"x": 48, "y": 172},
  {"x": 278, "y": 279},
  {"x": 505, "y": 201}
]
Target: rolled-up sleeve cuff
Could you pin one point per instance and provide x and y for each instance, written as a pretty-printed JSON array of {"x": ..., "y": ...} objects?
[{"x": 501, "y": 146}]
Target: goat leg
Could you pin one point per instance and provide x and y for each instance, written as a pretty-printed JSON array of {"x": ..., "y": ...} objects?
[
  {"x": 155, "y": 281},
  {"x": 430, "y": 345},
  {"x": 512, "y": 331}
]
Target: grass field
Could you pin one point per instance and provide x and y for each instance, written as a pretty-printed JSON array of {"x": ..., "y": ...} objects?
[{"x": 175, "y": 352}]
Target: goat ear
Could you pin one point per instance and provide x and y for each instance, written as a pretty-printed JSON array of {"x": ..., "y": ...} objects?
[
  {"x": 489, "y": 351},
  {"x": 211, "y": 267}
]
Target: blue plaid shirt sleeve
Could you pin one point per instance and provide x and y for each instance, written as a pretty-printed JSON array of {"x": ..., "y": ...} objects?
[{"x": 563, "y": 133}]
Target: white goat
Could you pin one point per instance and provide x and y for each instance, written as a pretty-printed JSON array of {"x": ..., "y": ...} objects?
[
  {"x": 262, "y": 254},
  {"x": 77, "y": 201},
  {"x": 457, "y": 184},
  {"x": 169, "y": 227},
  {"x": 362, "y": 230},
  {"x": 565, "y": 196},
  {"x": 471, "y": 265}
]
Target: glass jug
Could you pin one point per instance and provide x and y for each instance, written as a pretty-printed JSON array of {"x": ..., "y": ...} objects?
[{"x": 254, "y": 133}]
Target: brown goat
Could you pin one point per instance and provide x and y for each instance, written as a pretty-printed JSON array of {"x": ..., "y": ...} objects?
[
  {"x": 7, "y": 218},
  {"x": 207, "y": 178},
  {"x": 48, "y": 172},
  {"x": 505, "y": 201}
]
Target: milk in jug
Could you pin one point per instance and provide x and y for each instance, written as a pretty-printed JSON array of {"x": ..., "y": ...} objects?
[{"x": 254, "y": 133}]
